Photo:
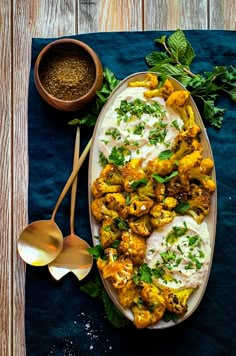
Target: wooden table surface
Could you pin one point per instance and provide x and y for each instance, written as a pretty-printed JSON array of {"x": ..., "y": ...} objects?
[{"x": 20, "y": 20}]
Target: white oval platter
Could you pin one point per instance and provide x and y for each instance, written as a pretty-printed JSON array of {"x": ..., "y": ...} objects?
[{"x": 94, "y": 172}]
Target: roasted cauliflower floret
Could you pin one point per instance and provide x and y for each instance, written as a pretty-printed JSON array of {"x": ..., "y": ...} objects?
[
  {"x": 191, "y": 129},
  {"x": 141, "y": 226},
  {"x": 152, "y": 309},
  {"x": 177, "y": 99},
  {"x": 160, "y": 216},
  {"x": 132, "y": 172},
  {"x": 169, "y": 203},
  {"x": 129, "y": 294},
  {"x": 100, "y": 210},
  {"x": 116, "y": 201},
  {"x": 206, "y": 165},
  {"x": 205, "y": 180},
  {"x": 132, "y": 246},
  {"x": 117, "y": 270},
  {"x": 101, "y": 187},
  {"x": 150, "y": 82},
  {"x": 161, "y": 167},
  {"x": 147, "y": 189},
  {"x": 111, "y": 175},
  {"x": 166, "y": 166},
  {"x": 108, "y": 232},
  {"x": 186, "y": 163},
  {"x": 176, "y": 300},
  {"x": 164, "y": 91},
  {"x": 199, "y": 203},
  {"x": 139, "y": 205},
  {"x": 160, "y": 192}
]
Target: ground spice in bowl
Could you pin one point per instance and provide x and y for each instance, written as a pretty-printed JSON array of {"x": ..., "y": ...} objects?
[{"x": 67, "y": 72}]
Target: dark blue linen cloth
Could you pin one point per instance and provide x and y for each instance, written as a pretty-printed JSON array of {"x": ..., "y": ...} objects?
[{"x": 62, "y": 320}]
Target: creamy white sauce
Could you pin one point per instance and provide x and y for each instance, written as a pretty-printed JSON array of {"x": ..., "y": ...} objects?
[
  {"x": 138, "y": 144},
  {"x": 190, "y": 259}
]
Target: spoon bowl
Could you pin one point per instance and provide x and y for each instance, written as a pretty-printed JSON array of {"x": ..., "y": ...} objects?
[
  {"x": 41, "y": 241},
  {"x": 74, "y": 256}
]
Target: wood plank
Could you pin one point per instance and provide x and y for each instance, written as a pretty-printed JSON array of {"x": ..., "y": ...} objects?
[
  {"x": 173, "y": 14},
  {"x": 39, "y": 18},
  {"x": 109, "y": 15},
  {"x": 5, "y": 179},
  {"x": 222, "y": 14}
]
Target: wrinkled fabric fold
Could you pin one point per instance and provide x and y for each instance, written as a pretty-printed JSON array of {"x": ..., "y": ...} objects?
[{"x": 60, "y": 319}]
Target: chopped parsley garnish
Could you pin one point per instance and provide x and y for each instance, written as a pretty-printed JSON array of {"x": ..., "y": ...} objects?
[
  {"x": 166, "y": 179},
  {"x": 134, "y": 185},
  {"x": 114, "y": 133},
  {"x": 175, "y": 124},
  {"x": 118, "y": 155},
  {"x": 158, "y": 134},
  {"x": 193, "y": 239},
  {"x": 102, "y": 159},
  {"x": 138, "y": 130},
  {"x": 165, "y": 155},
  {"x": 144, "y": 274},
  {"x": 97, "y": 252},
  {"x": 121, "y": 224},
  {"x": 182, "y": 207}
]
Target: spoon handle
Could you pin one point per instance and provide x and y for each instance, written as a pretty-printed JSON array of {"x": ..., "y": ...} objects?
[
  {"x": 71, "y": 178},
  {"x": 74, "y": 184}
]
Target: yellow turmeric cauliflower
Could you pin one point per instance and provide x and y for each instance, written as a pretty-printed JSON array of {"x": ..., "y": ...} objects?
[
  {"x": 129, "y": 294},
  {"x": 150, "y": 82},
  {"x": 160, "y": 216},
  {"x": 139, "y": 204},
  {"x": 164, "y": 91},
  {"x": 108, "y": 232},
  {"x": 100, "y": 210},
  {"x": 132, "y": 246},
  {"x": 117, "y": 269},
  {"x": 116, "y": 201},
  {"x": 176, "y": 300},
  {"x": 153, "y": 308},
  {"x": 132, "y": 172},
  {"x": 101, "y": 187}
]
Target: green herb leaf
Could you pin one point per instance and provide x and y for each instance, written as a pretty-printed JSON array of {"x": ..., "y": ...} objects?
[
  {"x": 177, "y": 44},
  {"x": 145, "y": 273},
  {"x": 166, "y": 179},
  {"x": 165, "y": 155},
  {"x": 169, "y": 316},
  {"x": 121, "y": 224},
  {"x": 113, "y": 314},
  {"x": 134, "y": 185},
  {"x": 157, "y": 57},
  {"x": 182, "y": 207},
  {"x": 117, "y": 156},
  {"x": 97, "y": 251},
  {"x": 161, "y": 40},
  {"x": 93, "y": 288}
]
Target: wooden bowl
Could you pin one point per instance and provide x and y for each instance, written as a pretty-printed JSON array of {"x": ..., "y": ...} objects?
[{"x": 56, "y": 83}]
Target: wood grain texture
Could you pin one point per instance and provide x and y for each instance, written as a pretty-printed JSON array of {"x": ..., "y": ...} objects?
[
  {"x": 222, "y": 14},
  {"x": 109, "y": 15},
  {"x": 20, "y": 20},
  {"x": 31, "y": 19},
  {"x": 173, "y": 14},
  {"x": 5, "y": 179}
]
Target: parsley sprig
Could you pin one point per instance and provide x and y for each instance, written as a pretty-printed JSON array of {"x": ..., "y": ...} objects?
[{"x": 205, "y": 88}]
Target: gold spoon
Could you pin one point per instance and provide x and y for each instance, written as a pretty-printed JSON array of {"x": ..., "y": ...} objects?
[
  {"x": 74, "y": 256},
  {"x": 41, "y": 241}
]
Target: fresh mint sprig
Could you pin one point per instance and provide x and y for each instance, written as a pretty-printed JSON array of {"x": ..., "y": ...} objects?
[
  {"x": 205, "y": 88},
  {"x": 94, "y": 288}
]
